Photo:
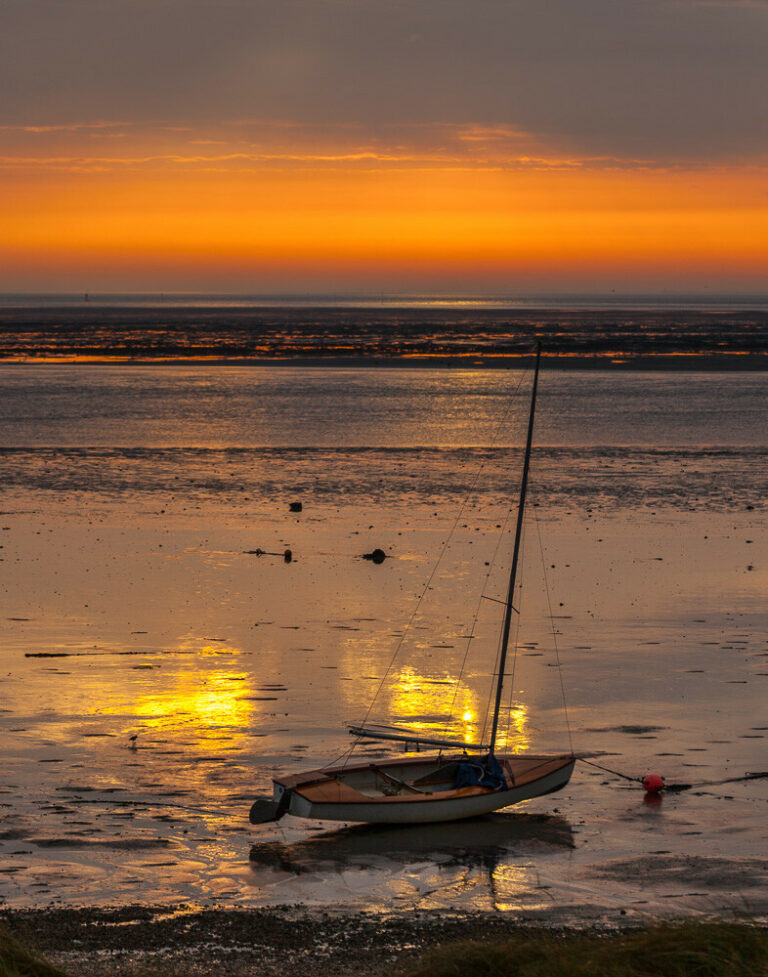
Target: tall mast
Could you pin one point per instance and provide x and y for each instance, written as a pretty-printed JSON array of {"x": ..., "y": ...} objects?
[{"x": 515, "y": 556}]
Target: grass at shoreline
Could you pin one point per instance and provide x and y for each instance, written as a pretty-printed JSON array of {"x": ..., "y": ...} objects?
[
  {"x": 17, "y": 961},
  {"x": 682, "y": 949},
  {"x": 667, "y": 950}
]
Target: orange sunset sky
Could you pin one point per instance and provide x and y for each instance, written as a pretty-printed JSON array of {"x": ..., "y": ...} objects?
[{"x": 362, "y": 145}]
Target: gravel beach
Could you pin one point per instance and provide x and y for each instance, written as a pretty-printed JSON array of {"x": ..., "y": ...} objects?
[{"x": 132, "y": 940}]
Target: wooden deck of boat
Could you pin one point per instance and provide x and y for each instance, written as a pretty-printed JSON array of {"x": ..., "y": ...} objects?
[
  {"x": 325, "y": 787},
  {"x": 335, "y": 792}
]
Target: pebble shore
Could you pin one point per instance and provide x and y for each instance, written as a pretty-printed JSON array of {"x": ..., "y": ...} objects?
[{"x": 194, "y": 942}]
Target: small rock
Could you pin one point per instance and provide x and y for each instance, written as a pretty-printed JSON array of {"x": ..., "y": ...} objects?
[
  {"x": 377, "y": 556},
  {"x": 295, "y": 507}
]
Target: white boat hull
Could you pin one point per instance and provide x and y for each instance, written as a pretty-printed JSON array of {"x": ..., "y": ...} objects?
[
  {"x": 428, "y": 811},
  {"x": 351, "y": 795}
]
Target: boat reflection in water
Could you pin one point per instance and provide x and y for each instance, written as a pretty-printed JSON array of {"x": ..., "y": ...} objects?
[{"x": 490, "y": 842}]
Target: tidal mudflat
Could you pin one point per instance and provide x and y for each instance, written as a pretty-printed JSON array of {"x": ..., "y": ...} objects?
[
  {"x": 721, "y": 332},
  {"x": 157, "y": 671}
]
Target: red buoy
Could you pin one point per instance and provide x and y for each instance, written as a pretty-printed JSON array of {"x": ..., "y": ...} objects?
[{"x": 653, "y": 783}]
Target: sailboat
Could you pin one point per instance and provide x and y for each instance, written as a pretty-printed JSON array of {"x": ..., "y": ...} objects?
[{"x": 462, "y": 780}]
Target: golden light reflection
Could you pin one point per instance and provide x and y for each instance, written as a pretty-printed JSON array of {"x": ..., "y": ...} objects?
[
  {"x": 427, "y": 705},
  {"x": 512, "y": 888},
  {"x": 205, "y": 700},
  {"x": 214, "y": 706},
  {"x": 513, "y": 737}
]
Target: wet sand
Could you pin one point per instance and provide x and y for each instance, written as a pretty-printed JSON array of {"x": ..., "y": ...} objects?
[
  {"x": 186, "y": 642},
  {"x": 133, "y": 609}
]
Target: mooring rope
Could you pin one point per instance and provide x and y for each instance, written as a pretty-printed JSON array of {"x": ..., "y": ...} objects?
[
  {"x": 679, "y": 788},
  {"x": 616, "y": 773}
]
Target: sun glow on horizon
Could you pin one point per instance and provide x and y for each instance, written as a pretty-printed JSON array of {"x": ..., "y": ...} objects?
[{"x": 481, "y": 210}]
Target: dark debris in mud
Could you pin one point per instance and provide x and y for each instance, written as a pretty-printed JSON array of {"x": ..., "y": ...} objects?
[{"x": 136, "y": 940}]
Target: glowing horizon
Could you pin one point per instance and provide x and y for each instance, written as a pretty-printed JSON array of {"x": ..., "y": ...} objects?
[
  {"x": 326, "y": 146},
  {"x": 471, "y": 217}
]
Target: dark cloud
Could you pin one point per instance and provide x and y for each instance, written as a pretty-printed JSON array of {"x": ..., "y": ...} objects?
[{"x": 659, "y": 79}]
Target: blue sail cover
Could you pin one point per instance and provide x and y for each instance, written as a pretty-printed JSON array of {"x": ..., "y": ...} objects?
[{"x": 486, "y": 773}]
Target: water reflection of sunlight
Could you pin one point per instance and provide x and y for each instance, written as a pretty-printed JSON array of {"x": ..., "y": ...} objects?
[
  {"x": 214, "y": 705},
  {"x": 205, "y": 700},
  {"x": 513, "y": 737},
  {"x": 428, "y": 705},
  {"x": 511, "y": 888}
]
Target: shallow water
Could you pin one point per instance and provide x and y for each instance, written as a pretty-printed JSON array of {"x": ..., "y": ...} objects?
[{"x": 134, "y": 605}]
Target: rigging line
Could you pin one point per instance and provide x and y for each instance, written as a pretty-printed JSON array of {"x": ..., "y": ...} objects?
[
  {"x": 512, "y": 684},
  {"x": 497, "y": 663},
  {"x": 554, "y": 635},
  {"x": 491, "y": 567},
  {"x": 521, "y": 576},
  {"x": 516, "y": 646},
  {"x": 345, "y": 754},
  {"x": 516, "y": 553},
  {"x": 491, "y": 687},
  {"x": 450, "y": 536}
]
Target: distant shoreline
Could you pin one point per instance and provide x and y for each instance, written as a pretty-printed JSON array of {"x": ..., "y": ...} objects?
[
  {"x": 681, "y": 363},
  {"x": 354, "y": 338},
  {"x": 463, "y": 339},
  {"x": 564, "y": 301}
]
